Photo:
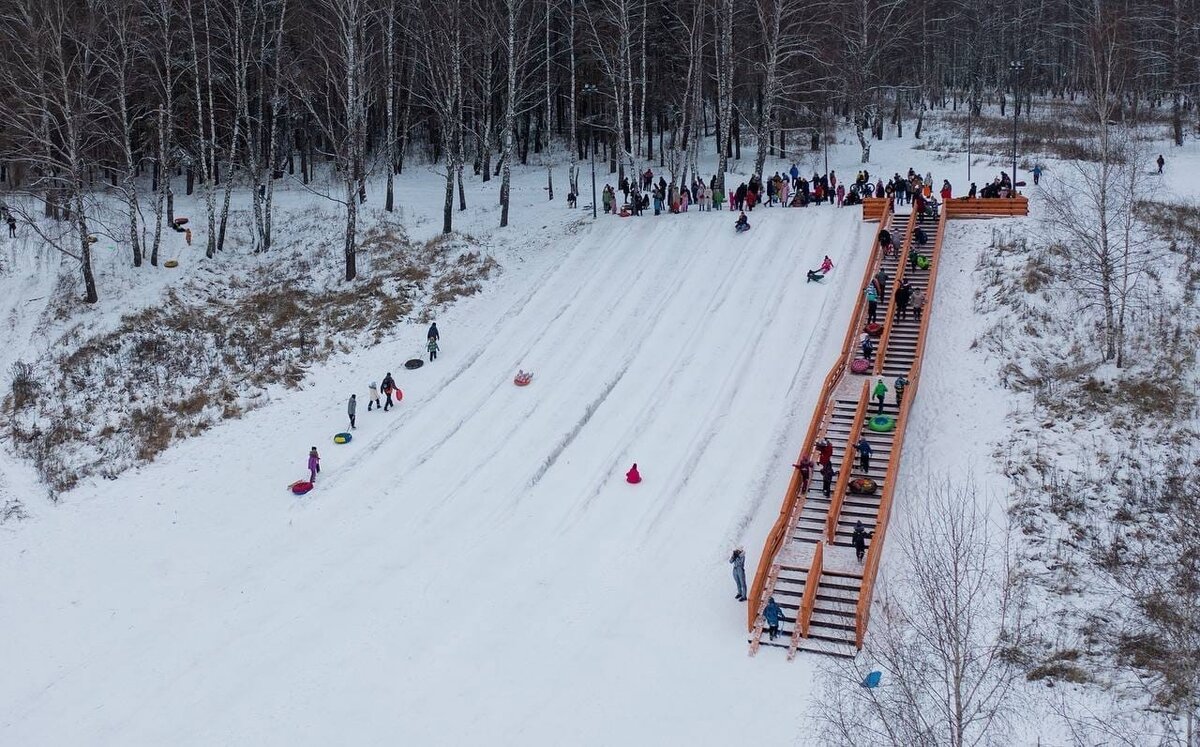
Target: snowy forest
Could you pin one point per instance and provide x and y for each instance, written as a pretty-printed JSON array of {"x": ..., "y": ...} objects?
[{"x": 139, "y": 100}]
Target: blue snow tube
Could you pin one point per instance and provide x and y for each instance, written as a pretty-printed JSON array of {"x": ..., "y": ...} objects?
[{"x": 342, "y": 438}]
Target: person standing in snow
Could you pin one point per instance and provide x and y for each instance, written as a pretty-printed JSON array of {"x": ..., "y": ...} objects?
[
  {"x": 12, "y": 227},
  {"x": 1161, "y": 162},
  {"x": 841, "y": 194},
  {"x": 433, "y": 333},
  {"x": 771, "y": 614},
  {"x": 863, "y": 447},
  {"x": 827, "y": 478},
  {"x": 351, "y": 408},
  {"x": 314, "y": 464},
  {"x": 898, "y": 387},
  {"x": 389, "y": 386},
  {"x": 1037, "y": 173},
  {"x": 880, "y": 393},
  {"x": 859, "y": 540},
  {"x": 738, "y": 559},
  {"x": 432, "y": 347},
  {"x": 373, "y": 402},
  {"x": 903, "y": 296}
]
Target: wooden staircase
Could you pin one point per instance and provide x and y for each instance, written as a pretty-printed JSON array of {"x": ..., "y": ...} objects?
[{"x": 808, "y": 563}]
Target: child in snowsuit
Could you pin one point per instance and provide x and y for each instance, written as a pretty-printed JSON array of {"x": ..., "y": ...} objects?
[
  {"x": 373, "y": 402},
  {"x": 827, "y": 478},
  {"x": 805, "y": 466},
  {"x": 898, "y": 387},
  {"x": 868, "y": 347},
  {"x": 826, "y": 265},
  {"x": 351, "y": 408},
  {"x": 918, "y": 305},
  {"x": 880, "y": 393},
  {"x": 314, "y": 464},
  {"x": 864, "y": 454},
  {"x": 738, "y": 559},
  {"x": 859, "y": 540},
  {"x": 432, "y": 347},
  {"x": 872, "y": 303},
  {"x": 771, "y": 614},
  {"x": 389, "y": 386},
  {"x": 743, "y": 223}
]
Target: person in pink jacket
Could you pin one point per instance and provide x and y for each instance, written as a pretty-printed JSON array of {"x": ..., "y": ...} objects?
[{"x": 314, "y": 464}]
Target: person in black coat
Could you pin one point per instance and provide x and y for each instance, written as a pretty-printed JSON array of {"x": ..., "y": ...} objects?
[
  {"x": 433, "y": 333},
  {"x": 903, "y": 296},
  {"x": 859, "y": 540}
]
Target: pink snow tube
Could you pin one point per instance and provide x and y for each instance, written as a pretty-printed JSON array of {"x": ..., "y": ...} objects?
[{"x": 860, "y": 366}]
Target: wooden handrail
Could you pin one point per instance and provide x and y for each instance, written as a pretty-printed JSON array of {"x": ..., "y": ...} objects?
[
  {"x": 808, "y": 601},
  {"x": 839, "y": 490},
  {"x": 862, "y": 611},
  {"x": 986, "y": 207},
  {"x": 890, "y": 313},
  {"x": 792, "y": 503}
]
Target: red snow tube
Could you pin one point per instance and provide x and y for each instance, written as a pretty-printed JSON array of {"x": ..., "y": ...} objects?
[
  {"x": 863, "y": 486},
  {"x": 860, "y": 366},
  {"x": 874, "y": 329},
  {"x": 523, "y": 378},
  {"x": 300, "y": 487}
]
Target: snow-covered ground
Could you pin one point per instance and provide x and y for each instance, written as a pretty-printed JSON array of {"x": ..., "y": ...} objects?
[{"x": 472, "y": 567}]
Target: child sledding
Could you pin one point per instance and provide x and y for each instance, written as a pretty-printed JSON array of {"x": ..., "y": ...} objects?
[{"x": 743, "y": 224}]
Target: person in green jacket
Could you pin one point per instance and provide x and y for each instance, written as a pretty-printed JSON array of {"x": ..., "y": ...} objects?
[
  {"x": 880, "y": 392},
  {"x": 718, "y": 197},
  {"x": 432, "y": 347}
]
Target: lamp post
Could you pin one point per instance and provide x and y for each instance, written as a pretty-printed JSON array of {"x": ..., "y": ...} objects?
[
  {"x": 589, "y": 90},
  {"x": 1016, "y": 68}
]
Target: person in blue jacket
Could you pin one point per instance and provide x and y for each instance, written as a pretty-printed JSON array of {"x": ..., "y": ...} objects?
[
  {"x": 863, "y": 447},
  {"x": 771, "y": 614},
  {"x": 738, "y": 559}
]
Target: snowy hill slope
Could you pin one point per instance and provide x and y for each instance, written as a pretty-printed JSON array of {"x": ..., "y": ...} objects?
[{"x": 472, "y": 567}]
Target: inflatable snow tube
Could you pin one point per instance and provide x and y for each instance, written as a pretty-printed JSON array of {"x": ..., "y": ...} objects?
[
  {"x": 863, "y": 486},
  {"x": 523, "y": 378},
  {"x": 860, "y": 366},
  {"x": 181, "y": 221},
  {"x": 874, "y": 329},
  {"x": 343, "y": 438},
  {"x": 882, "y": 423},
  {"x": 171, "y": 263},
  {"x": 300, "y": 487},
  {"x": 413, "y": 363}
]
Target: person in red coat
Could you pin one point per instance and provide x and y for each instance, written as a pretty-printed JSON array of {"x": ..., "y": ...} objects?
[
  {"x": 824, "y": 451},
  {"x": 946, "y": 191},
  {"x": 633, "y": 477}
]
